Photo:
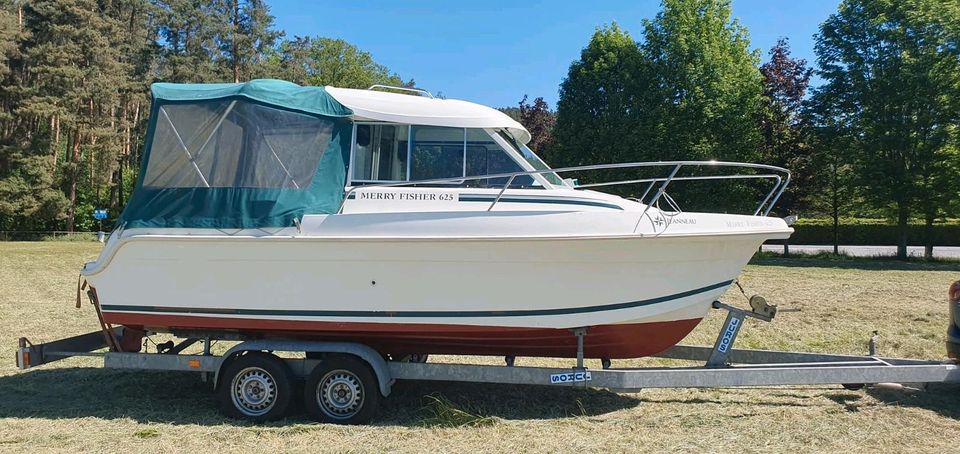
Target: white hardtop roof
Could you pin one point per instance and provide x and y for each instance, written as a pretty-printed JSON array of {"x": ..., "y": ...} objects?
[{"x": 421, "y": 110}]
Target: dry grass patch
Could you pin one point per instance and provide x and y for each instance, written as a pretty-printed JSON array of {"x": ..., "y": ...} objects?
[{"x": 73, "y": 406}]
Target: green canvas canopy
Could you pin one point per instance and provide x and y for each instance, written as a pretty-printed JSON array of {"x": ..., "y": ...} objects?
[{"x": 249, "y": 155}]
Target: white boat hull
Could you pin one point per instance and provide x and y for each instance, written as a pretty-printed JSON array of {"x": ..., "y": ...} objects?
[{"x": 331, "y": 286}]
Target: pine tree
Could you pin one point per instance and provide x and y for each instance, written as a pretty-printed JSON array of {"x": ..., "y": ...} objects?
[
  {"x": 74, "y": 90},
  {"x": 246, "y": 36},
  {"x": 9, "y": 33},
  {"x": 189, "y": 31},
  {"x": 74, "y": 71},
  {"x": 137, "y": 41}
]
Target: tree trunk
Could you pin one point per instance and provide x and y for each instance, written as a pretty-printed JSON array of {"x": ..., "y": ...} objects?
[
  {"x": 126, "y": 131},
  {"x": 135, "y": 141},
  {"x": 75, "y": 161},
  {"x": 93, "y": 180},
  {"x": 903, "y": 216},
  {"x": 928, "y": 236},
  {"x": 120, "y": 204},
  {"x": 836, "y": 230},
  {"x": 55, "y": 126},
  {"x": 233, "y": 44},
  {"x": 93, "y": 143}
]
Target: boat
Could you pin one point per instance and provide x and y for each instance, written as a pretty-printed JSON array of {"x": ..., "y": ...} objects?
[{"x": 411, "y": 224}]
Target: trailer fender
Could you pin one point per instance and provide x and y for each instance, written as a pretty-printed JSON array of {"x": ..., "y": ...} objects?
[{"x": 367, "y": 354}]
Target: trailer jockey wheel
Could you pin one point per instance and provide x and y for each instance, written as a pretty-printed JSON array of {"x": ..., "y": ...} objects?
[
  {"x": 342, "y": 390},
  {"x": 256, "y": 387}
]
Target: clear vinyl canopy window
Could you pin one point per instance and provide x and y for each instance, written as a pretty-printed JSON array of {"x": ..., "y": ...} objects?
[
  {"x": 234, "y": 143},
  {"x": 256, "y": 154}
]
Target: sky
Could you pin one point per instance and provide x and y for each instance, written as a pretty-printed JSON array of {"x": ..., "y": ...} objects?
[{"x": 493, "y": 52}]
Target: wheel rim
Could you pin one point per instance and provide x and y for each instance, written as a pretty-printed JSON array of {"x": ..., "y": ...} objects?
[
  {"x": 340, "y": 394},
  {"x": 254, "y": 391}
]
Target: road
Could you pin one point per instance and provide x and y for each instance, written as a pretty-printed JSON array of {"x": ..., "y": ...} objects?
[{"x": 868, "y": 251}]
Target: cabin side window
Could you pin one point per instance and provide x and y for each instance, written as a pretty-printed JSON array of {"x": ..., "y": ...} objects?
[
  {"x": 437, "y": 153},
  {"x": 486, "y": 157},
  {"x": 383, "y": 153},
  {"x": 380, "y": 153}
]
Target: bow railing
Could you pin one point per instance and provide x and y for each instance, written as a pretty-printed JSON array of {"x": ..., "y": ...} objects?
[{"x": 780, "y": 177}]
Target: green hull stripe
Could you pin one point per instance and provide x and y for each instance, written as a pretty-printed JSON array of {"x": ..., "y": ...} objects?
[{"x": 414, "y": 314}]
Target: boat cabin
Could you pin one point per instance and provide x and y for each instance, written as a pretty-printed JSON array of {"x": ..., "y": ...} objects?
[
  {"x": 267, "y": 152},
  {"x": 402, "y": 138}
]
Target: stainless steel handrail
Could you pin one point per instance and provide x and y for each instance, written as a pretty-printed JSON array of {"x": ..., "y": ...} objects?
[
  {"x": 780, "y": 182},
  {"x": 418, "y": 91}
]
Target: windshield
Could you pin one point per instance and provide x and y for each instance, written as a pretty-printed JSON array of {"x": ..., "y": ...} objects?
[{"x": 533, "y": 159}]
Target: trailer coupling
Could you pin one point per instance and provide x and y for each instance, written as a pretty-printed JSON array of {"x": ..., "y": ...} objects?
[
  {"x": 32, "y": 355},
  {"x": 23, "y": 353}
]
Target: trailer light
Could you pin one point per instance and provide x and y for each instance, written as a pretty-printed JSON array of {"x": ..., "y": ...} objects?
[
  {"x": 25, "y": 360},
  {"x": 194, "y": 364}
]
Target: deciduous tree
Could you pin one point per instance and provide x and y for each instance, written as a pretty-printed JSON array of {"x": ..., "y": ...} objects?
[
  {"x": 708, "y": 88},
  {"x": 539, "y": 121},
  {"x": 327, "y": 61},
  {"x": 784, "y": 129},
  {"x": 892, "y": 71},
  {"x": 598, "y": 114}
]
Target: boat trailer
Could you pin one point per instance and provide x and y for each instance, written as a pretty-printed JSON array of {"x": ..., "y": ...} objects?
[{"x": 336, "y": 398}]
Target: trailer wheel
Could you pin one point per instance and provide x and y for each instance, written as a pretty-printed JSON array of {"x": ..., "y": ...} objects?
[
  {"x": 342, "y": 390},
  {"x": 256, "y": 387}
]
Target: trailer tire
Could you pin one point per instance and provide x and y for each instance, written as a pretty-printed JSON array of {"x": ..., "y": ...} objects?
[
  {"x": 255, "y": 386},
  {"x": 342, "y": 390}
]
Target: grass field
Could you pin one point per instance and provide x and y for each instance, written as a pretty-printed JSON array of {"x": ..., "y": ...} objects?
[{"x": 73, "y": 406}]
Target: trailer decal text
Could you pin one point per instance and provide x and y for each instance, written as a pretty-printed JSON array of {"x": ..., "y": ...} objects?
[
  {"x": 728, "y": 334},
  {"x": 570, "y": 377}
]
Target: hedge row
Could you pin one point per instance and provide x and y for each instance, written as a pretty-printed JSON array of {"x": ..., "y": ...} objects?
[{"x": 872, "y": 232}]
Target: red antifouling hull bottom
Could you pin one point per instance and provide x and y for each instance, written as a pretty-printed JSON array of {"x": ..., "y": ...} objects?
[{"x": 631, "y": 340}]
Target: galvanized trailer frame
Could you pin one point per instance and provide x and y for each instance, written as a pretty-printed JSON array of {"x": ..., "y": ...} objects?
[{"x": 724, "y": 366}]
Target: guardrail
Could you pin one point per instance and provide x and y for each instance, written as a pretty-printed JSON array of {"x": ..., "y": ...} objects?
[{"x": 780, "y": 176}]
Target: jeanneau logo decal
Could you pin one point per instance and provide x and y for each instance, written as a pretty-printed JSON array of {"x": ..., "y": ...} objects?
[{"x": 660, "y": 220}]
